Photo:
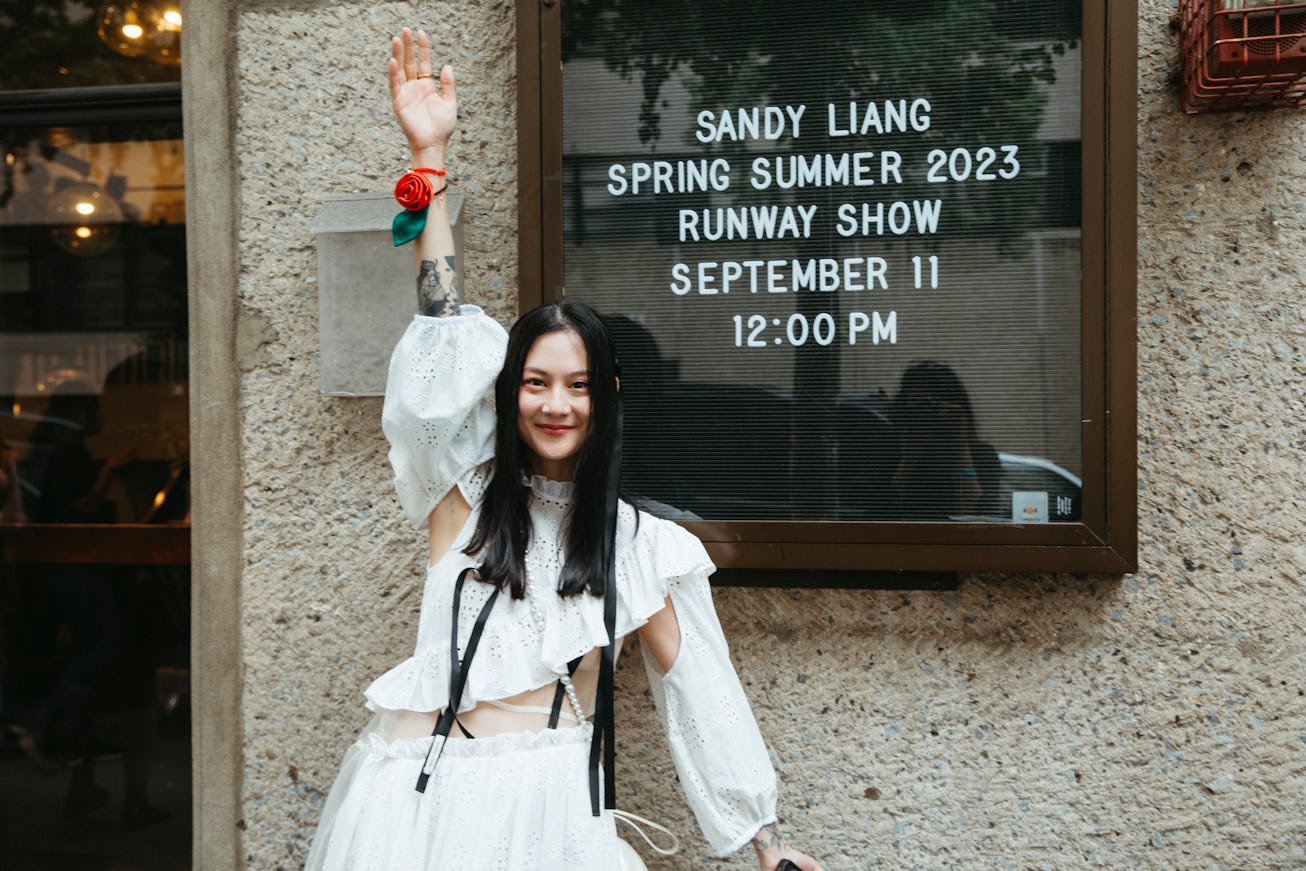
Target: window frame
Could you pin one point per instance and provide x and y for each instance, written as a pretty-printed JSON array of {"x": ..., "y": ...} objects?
[{"x": 1105, "y": 540}]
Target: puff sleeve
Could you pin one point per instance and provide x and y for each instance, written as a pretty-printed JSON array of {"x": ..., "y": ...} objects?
[
  {"x": 439, "y": 405},
  {"x": 724, "y": 767}
]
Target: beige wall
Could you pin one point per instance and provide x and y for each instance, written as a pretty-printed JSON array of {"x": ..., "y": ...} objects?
[{"x": 1153, "y": 721}]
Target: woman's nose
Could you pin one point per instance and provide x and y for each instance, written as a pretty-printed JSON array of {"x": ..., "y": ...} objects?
[{"x": 558, "y": 404}]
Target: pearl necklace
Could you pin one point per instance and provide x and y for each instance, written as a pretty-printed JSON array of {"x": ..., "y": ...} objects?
[{"x": 538, "y": 616}]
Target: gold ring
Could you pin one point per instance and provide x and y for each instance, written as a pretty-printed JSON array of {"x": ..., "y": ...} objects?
[{"x": 426, "y": 75}]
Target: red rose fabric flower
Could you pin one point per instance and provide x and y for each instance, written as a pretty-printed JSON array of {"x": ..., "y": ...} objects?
[{"x": 414, "y": 191}]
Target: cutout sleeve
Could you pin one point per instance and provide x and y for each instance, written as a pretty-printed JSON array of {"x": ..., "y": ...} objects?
[
  {"x": 723, "y": 763},
  {"x": 439, "y": 406}
]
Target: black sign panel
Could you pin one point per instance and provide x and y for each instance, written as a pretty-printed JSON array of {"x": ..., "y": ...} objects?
[{"x": 839, "y": 246}]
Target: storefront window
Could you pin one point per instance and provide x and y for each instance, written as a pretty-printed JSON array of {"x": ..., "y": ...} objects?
[
  {"x": 853, "y": 257},
  {"x": 94, "y": 535}
]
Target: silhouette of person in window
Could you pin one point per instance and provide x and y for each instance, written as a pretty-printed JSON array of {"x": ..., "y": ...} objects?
[{"x": 944, "y": 470}]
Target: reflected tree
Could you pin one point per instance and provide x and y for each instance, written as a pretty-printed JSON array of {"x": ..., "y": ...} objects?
[{"x": 981, "y": 64}]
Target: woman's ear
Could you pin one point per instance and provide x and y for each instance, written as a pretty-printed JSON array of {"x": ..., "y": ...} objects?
[{"x": 618, "y": 383}]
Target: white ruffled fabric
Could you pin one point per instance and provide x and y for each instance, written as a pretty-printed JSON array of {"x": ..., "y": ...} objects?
[
  {"x": 440, "y": 423},
  {"x": 517, "y": 802},
  {"x": 517, "y": 652},
  {"x": 439, "y": 406},
  {"x": 725, "y": 770}
]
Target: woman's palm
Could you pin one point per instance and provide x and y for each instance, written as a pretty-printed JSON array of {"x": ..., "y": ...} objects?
[
  {"x": 426, "y": 106},
  {"x": 426, "y": 117}
]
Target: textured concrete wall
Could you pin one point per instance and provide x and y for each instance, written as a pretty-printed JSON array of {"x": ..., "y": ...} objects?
[
  {"x": 331, "y": 581},
  {"x": 1155, "y": 721}
]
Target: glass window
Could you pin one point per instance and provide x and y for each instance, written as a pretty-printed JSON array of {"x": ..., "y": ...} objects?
[
  {"x": 84, "y": 43},
  {"x": 858, "y": 260},
  {"x": 94, "y": 437},
  {"x": 846, "y": 278}
]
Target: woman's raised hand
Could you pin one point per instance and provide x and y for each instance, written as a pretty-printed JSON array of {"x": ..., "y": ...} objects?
[{"x": 426, "y": 105}]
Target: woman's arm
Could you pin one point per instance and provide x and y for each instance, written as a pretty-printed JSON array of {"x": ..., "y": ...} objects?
[
  {"x": 427, "y": 110},
  {"x": 661, "y": 638},
  {"x": 445, "y": 522},
  {"x": 437, "y": 413}
]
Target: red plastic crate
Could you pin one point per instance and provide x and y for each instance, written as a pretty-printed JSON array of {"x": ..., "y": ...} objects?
[{"x": 1242, "y": 54}]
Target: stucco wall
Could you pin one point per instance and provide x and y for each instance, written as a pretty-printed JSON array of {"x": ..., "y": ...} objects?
[{"x": 1154, "y": 721}]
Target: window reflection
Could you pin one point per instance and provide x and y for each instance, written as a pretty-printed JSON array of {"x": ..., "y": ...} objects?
[
  {"x": 94, "y": 473},
  {"x": 92, "y": 294},
  {"x": 88, "y": 43},
  {"x": 798, "y": 217}
]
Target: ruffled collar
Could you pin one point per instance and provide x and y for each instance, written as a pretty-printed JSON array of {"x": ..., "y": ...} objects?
[{"x": 548, "y": 488}]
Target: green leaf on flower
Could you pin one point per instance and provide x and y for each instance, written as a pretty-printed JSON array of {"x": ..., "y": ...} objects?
[{"x": 408, "y": 226}]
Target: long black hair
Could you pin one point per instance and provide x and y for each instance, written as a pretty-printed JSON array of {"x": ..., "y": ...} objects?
[
  {"x": 503, "y": 529},
  {"x": 927, "y": 387}
]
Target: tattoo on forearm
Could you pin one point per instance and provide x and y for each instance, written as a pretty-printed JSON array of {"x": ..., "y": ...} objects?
[
  {"x": 437, "y": 288},
  {"x": 769, "y": 838}
]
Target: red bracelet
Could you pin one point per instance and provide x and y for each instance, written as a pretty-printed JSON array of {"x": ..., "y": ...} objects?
[{"x": 414, "y": 190}]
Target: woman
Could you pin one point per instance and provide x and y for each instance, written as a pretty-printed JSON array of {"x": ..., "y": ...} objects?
[
  {"x": 943, "y": 470},
  {"x": 506, "y": 456}
]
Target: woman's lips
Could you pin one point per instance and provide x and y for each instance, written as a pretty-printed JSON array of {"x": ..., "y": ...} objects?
[{"x": 554, "y": 429}]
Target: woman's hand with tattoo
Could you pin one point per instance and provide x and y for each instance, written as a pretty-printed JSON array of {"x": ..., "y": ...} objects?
[
  {"x": 772, "y": 847},
  {"x": 426, "y": 107}
]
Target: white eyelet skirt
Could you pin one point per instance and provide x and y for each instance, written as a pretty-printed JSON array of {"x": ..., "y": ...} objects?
[{"x": 512, "y": 802}]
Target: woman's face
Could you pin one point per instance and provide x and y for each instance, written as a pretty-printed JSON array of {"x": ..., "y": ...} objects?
[{"x": 553, "y": 403}]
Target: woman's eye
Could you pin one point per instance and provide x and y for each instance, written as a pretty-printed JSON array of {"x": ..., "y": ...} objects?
[
  {"x": 532, "y": 382},
  {"x": 581, "y": 385}
]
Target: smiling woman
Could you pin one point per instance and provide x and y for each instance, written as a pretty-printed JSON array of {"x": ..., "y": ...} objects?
[
  {"x": 553, "y": 405},
  {"x": 516, "y": 481}
]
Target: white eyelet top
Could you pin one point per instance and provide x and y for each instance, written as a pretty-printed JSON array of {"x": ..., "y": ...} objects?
[{"x": 439, "y": 418}]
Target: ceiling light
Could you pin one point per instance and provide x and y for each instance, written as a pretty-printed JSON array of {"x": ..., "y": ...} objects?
[
  {"x": 148, "y": 29},
  {"x": 83, "y": 220}
]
